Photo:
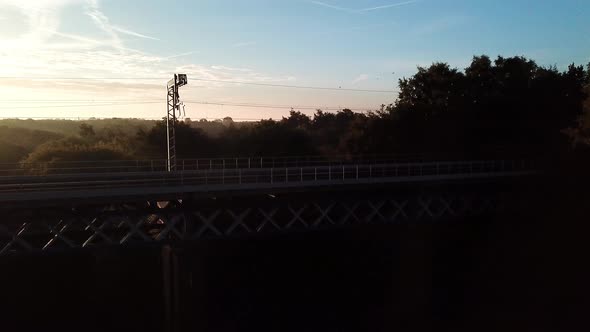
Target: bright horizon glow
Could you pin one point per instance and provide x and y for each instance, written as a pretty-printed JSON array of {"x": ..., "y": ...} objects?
[{"x": 366, "y": 44}]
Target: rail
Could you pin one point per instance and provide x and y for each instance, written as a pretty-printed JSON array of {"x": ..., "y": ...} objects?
[
  {"x": 159, "y": 165},
  {"x": 269, "y": 176}
]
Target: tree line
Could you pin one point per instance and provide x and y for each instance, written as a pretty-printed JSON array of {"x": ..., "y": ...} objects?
[{"x": 508, "y": 104}]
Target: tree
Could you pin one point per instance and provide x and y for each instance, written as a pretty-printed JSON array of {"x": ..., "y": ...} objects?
[
  {"x": 228, "y": 121},
  {"x": 297, "y": 120},
  {"x": 432, "y": 90},
  {"x": 87, "y": 131},
  {"x": 72, "y": 150},
  {"x": 10, "y": 153},
  {"x": 190, "y": 142},
  {"x": 508, "y": 102},
  {"x": 580, "y": 134}
]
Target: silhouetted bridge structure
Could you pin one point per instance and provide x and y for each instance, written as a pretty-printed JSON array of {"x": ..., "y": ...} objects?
[
  {"x": 75, "y": 238},
  {"x": 82, "y": 210}
]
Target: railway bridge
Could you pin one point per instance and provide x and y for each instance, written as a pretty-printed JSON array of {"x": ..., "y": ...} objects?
[
  {"x": 73, "y": 209},
  {"x": 128, "y": 245}
]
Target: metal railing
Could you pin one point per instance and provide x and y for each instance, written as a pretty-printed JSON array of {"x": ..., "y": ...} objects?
[
  {"x": 273, "y": 176},
  {"x": 159, "y": 165}
]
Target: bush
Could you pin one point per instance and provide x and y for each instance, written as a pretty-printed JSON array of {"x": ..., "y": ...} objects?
[{"x": 72, "y": 153}]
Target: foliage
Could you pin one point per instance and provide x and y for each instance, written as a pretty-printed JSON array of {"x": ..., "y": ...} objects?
[
  {"x": 72, "y": 127},
  {"x": 509, "y": 103},
  {"x": 53, "y": 154},
  {"x": 87, "y": 131},
  {"x": 11, "y": 153},
  {"x": 190, "y": 142},
  {"x": 16, "y": 143}
]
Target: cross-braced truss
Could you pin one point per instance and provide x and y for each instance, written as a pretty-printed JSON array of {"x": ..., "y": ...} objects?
[{"x": 188, "y": 221}]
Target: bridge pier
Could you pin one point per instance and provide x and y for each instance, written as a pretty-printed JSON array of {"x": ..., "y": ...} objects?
[{"x": 171, "y": 288}]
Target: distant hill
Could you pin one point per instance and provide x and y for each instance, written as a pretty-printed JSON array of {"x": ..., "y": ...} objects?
[
  {"x": 71, "y": 127},
  {"x": 11, "y": 153},
  {"x": 17, "y": 143},
  {"x": 27, "y": 138}
]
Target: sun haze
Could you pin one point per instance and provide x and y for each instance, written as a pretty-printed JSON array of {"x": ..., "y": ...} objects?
[{"x": 257, "y": 59}]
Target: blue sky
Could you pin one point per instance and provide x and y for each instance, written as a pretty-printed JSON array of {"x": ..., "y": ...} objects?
[{"x": 366, "y": 44}]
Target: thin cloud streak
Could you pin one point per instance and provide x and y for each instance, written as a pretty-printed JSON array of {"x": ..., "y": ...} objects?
[
  {"x": 133, "y": 33},
  {"x": 75, "y": 37},
  {"x": 103, "y": 23},
  {"x": 326, "y": 5},
  {"x": 399, "y": 4},
  {"x": 180, "y": 55},
  {"x": 364, "y": 10}
]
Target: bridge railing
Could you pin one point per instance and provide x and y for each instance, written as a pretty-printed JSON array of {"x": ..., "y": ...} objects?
[
  {"x": 278, "y": 176},
  {"x": 159, "y": 165}
]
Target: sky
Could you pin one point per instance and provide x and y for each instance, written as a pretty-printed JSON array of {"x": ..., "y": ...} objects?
[{"x": 112, "y": 58}]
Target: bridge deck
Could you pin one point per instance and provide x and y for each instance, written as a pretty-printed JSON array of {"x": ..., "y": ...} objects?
[{"x": 88, "y": 186}]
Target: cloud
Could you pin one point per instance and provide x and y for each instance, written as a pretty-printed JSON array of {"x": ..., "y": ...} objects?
[
  {"x": 180, "y": 55},
  {"x": 43, "y": 51},
  {"x": 326, "y": 5},
  {"x": 363, "y": 10},
  {"x": 132, "y": 33},
  {"x": 103, "y": 22},
  {"x": 246, "y": 70},
  {"x": 82, "y": 39},
  {"x": 360, "y": 78},
  {"x": 38, "y": 19},
  {"x": 399, "y": 4},
  {"x": 39, "y": 5},
  {"x": 43, "y": 18}
]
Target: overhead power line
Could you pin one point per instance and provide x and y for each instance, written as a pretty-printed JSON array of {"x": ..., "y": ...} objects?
[
  {"x": 79, "y": 105},
  {"x": 296, "y": 107},
  {"x": 292, "y": 86},
  {"x": 85, "y": 101},
  {"x": 110, "y": 118},
  {"x": 32, "y": 78},
  {"x": 93, "y": 103},
  {"x": 201, "y": 80}
]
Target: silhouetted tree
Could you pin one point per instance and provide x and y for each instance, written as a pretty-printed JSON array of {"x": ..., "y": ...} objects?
[
  {"x": 72, "y": 149},
  {"x": 190, "y": 142},
  {"x": 228, "y": 121},
  {"x": 297, "y": 120},
  {"x": 87, "y": 131},
  {"x": 511, "y": 102}
]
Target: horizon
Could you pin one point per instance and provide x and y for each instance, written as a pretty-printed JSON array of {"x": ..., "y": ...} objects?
[{"x": 90, "y": 58}]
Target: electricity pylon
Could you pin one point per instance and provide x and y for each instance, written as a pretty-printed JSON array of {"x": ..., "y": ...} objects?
[{"x": 173, "y": 105}]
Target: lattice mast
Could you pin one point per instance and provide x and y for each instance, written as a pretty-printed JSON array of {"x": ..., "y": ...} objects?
[{"x": 173, "y": 105}]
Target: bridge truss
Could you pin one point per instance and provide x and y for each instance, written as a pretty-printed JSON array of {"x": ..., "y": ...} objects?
[{"x": 153, "y": 223}]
